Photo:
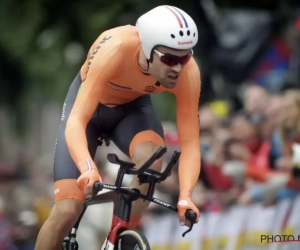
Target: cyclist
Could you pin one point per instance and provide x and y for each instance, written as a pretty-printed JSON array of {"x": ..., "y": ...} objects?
[{"x": 110, "y": 99}]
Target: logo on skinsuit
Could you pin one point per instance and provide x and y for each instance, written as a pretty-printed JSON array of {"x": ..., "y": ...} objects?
[
  {"x": 92, "y": 55},
  {"x": 149, "y": 89},
  {"x": 118, "y": 87}
]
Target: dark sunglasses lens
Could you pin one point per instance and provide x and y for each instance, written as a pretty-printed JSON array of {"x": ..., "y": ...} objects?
[
  {"x": 170, "y": 60},
  {"x": 184, "y": 60}
]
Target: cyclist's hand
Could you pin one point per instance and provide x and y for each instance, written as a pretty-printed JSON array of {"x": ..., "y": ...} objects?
[
  {"x": 87, "y": 180},
  {"x": 183, "y": 205}
]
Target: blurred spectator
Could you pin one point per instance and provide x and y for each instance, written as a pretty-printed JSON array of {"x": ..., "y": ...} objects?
[
  {"x": 289, "y": 128},
  {"x": 6, "y": 229},
  {"x": 254, "y": 98}
]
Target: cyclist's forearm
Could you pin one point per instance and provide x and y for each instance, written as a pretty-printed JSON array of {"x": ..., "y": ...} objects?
[
  {"x": 189, "y": 170},
  {"x": 77, "y": 143}
]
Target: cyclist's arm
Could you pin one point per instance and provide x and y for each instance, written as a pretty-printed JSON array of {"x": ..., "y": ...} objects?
[
  {"x": 187, "y": 96},
  {"x": 105, "y": 64}
]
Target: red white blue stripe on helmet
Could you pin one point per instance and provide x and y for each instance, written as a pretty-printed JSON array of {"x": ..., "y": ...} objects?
[{"x": 178, "y": 14}]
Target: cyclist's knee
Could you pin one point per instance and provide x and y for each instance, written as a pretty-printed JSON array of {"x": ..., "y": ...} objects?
[
  {"x": 143, "y": 152},
  {"x": 67, "y": 211}
]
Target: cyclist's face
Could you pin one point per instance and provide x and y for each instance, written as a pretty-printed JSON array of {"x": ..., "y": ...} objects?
[{"x": 167, "y": 65}]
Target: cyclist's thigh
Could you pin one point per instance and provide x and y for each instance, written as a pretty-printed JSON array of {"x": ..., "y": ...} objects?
[
  {"x": 65, "y": 170},
  {"x": 140, "y": 124}
]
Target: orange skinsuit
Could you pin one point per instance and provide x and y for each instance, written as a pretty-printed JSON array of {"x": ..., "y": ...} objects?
[{"x": 111, "y": 76}]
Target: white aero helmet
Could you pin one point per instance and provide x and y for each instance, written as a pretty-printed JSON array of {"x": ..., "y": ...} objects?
[{"x": 166, "y": 26}]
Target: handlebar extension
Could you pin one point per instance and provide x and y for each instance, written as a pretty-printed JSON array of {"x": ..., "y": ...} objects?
[
  {"x": 159, "y": 153},
  {"x": 190, "y": 215}
]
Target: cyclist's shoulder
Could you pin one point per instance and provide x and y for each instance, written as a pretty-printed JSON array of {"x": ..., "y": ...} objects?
[
  {"x": 190, "y": 75},
  {"x": 122, "y": 36},
  {"x": 191, "y": 67}
]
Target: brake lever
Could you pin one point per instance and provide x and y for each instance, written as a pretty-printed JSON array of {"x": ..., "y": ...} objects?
[
  {"x": 96, "y": 188},
  {"x": 191, "y": 216}
]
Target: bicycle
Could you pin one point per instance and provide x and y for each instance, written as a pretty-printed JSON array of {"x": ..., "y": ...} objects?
[{"x": 120, "y": 236}]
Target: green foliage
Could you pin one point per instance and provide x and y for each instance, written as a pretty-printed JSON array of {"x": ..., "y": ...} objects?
[{"x": 164, "y": 104}]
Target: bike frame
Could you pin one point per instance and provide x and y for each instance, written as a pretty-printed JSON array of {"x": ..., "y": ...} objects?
[
  {"x": 122, "y": 209},
  {"x": 123, "y": 197}
]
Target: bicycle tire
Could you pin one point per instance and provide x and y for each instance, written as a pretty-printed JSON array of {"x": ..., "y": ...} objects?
[{"x": 132, "y": 240}]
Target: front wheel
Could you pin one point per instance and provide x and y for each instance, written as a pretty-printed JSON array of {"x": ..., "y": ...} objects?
[{"x": 132, "y": 240}]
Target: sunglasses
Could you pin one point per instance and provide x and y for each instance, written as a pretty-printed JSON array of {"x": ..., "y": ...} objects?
[{"x": 172, "y": 60}]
